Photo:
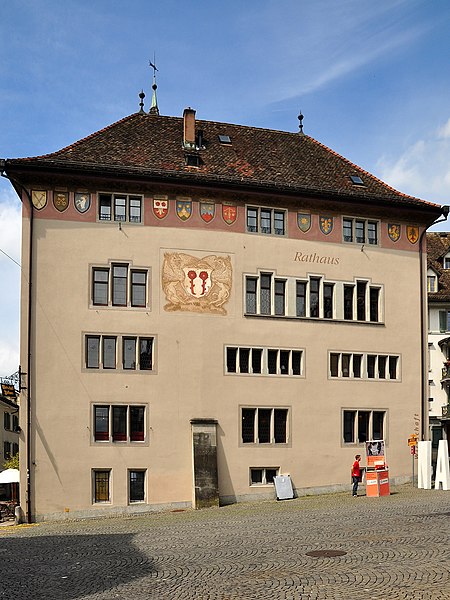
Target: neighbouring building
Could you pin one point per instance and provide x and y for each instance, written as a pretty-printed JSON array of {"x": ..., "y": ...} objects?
[
  {"x": 438, "y": 288},
  {"x": 212, "y": 305},
  {"x": 9, "y": 428}
]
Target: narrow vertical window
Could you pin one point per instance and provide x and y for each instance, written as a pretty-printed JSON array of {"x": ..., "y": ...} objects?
[
  {"x": 252, "y": 219},
  {"x": 328, "y": 290},
  {"x": 314, "y": 285},
  {"x": 101, "y": 423},
  {"x": 135, "y": 209},
  {"x": 296, "y": 362},
  {"x": 265, "y": 293},
  {"x": 361, "y": 300},
  {"x": 136, "y": 486},
  {"x": 137, "y": 423},
  {"x": 100, "y": 286},
  {"x": 346, "y": 365},
  {"x": 104, "y": 209},
  {"x": 357, "y": 361},
  {"x": 119, "y": 420},
  {"x": 266, "y": 220},
  {"x": 393, "y": 360},
  {"x": 347, "y": 229},
  {"x": 145, "y": 354},
  {"x": 280, "y": 425},
  {"x": 109, "y": 352},
  {"x": 371, "y": 361},
  {"x": 334, "y": 364},
  {"x": 363, "y": 426},
  {"x": 301, "y": 298},
  {"x": 257, "y": 360},
  {"x": 359, "y": 232},
  {"x": 372, "y": 233},
  {"x": 129, "y": 353},
  {"x": 377, "y": 425},
  {"x": 231, "y": 360},
  {"x": 92, "y": 351},
  {"x": 119, "y": 285},
  {"x": 272, "y": 361},
  {"x": 280, "y": 287},
  {"x": 264, "y": 422},
  {"x": 348, "y": 302},
  {"x": 374, "y": 295},
  {"x": 284, "y": 362},
  {"x": 382, "y": 360},
  {"x": 120, "y": 208},
  {"x": 101, "y": 486},
  {"x": 244, "y": 359},
  {"x": 138, "y": 288},
  {"x": 248, "y": 425},
  {"x": 349, "y": 426},
  {"x": 250, "y": 295},
  {"x": 278, "y": 222}
]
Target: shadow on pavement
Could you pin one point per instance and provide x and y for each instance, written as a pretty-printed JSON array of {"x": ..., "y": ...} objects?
[{"x": 68, "y": 567}]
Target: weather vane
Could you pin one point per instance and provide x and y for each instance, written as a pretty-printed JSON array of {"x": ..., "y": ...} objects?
[{"x": 154, "y": 104}]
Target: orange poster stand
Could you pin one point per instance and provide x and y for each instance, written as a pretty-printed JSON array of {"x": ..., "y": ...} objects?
[{"x": 377, "y": 473}]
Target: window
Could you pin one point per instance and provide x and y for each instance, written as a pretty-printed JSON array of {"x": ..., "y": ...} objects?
[
  {"x": 360, "y": 231},
  {"x": 119, "y": 423},
  {"x": 447, "y": 261},
  {"x": 119, "y": 285},
  {"x": 136, "y": 486},
  {"x": 313, "y": 297},
  {"x": 264, "y": 425},
  {"x": 120, "y": 207},
  {"x": 432, "y": 282},
  {"x": 6, "y": 450},
  {"x": 358, "y": 426},
  {"x": 6, "y": 420},
  {"x": 363, "y": 366},
  {"x": 136, "y": 352},
  {"x": 102, "y": 486},
  {"x": 266, "y": 220},
  {"x": 263, "y": 475},
  {"x": 263, "y": 361}
]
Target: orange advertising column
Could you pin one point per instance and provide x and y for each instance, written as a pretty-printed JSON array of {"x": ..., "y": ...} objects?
[
  {"x": 371, "y": 484},
  {"x": 383, "y": 482}
]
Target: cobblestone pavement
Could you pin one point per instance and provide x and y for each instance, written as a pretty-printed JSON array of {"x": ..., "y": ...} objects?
[{"x": 395, "y": 547}]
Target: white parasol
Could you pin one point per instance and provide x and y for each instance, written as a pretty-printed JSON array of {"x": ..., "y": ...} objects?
[{"x": 10, "y": 476}]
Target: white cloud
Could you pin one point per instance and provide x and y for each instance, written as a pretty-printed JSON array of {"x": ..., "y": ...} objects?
[
  {"x": 9, "y": 357},
  {"x": 423, "y": 169}
]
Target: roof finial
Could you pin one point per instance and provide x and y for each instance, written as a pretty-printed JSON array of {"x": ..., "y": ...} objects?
[
  {"x": 154, "y": 110},
  {"x": 141, "y": 103},
  {"x": 300, "y": 118}
]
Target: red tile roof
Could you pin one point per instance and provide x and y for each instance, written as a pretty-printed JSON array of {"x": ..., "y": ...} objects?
[
  {"x": 438, "y": 246},
  {"x": 151, "y": 146}
]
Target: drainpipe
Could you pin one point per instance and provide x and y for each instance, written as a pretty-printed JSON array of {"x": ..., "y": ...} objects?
[
  {"x": 16, "y": 184},
  {"x": 424, "y": 334}
]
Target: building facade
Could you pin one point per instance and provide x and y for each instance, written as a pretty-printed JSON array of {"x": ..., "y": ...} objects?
[
  {"x": 438, "y": 289},
  {"x": 212, "y": 305}
]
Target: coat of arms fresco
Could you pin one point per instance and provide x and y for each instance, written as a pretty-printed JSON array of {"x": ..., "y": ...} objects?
[
  {"x": 229, "y": 213},
  {"x": 412, "y": 233},
  {"x": 207, "y": 211},
  {"x": 394, "y": 231},
  {"x": 196, "y": 284},
  {"x": 304, "y": 221},
  {"x": 160, "y": 206},
  {"x": 184, "y": 208},
  {"x": 326, "y": 224}
]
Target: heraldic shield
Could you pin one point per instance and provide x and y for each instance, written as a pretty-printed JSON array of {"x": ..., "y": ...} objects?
[
  {"x": 304, "y": 221},
  {"x": 412, "y": 233},
  {"x": 207, "y": 211},
  {"x": 326, "y": 224},
  {"x": 196, "y": 284},
  {"x": 184, "y": 209},
  {"x": 160, "y": 206},
  {"x": 394, "y": 230}
]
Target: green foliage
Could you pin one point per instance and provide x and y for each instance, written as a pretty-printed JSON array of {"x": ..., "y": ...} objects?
[{"x": 12, "y": 463}]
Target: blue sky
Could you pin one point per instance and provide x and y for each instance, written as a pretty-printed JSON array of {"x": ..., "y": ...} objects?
[{"x": 371, "y": 78}]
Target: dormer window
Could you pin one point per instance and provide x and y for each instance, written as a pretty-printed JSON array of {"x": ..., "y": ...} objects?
[
  {"x": 447, "y": 261},
  {"x": 192, "y": 160},
  {"x": 432, "y": 282}
]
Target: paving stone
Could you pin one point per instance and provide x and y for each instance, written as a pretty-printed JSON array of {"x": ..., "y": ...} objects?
[{"x": 396, "y": 548}]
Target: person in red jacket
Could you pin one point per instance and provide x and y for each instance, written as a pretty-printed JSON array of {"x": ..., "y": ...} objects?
[{"x": 356, "y": 475}]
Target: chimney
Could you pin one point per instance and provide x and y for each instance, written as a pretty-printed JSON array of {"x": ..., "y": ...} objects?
[{"x": 189, "y": 128}]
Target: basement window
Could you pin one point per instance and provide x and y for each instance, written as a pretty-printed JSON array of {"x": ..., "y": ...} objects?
[{"x": 224, "y": 139}]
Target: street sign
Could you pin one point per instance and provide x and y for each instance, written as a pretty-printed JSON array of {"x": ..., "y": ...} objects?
[{"x": 412, "y": 440}]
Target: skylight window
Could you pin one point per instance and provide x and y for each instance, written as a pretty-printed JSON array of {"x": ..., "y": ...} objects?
[
  {"x": 224, "y": 139},
  {"x": 356, "y": 180}
]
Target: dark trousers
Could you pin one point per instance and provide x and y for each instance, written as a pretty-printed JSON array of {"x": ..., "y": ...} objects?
[{"x": 355, "y": 481}]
